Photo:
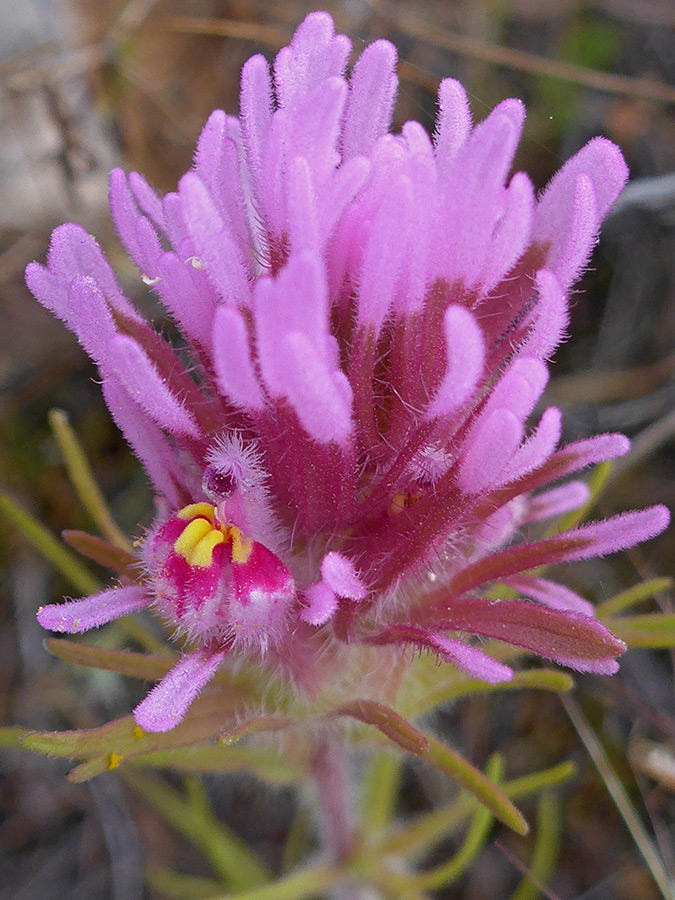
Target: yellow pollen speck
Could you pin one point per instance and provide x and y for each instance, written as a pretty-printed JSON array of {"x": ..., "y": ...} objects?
[
  {"x": 400, "y": 502},
  {"x": 205, "y": 510},
  {"x": 138, "y": 732},
  {"x": 397, "y": 505},
  {"x": 114, "y": 760},
  {"x": 241, "y": 546}
]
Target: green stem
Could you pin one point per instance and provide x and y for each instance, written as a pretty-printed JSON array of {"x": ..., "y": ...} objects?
[{"x": 379, "y": 790}]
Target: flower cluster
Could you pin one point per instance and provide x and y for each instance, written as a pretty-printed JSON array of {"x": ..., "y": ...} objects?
[{"x": 341, "y": 448}]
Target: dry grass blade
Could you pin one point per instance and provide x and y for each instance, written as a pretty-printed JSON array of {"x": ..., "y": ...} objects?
[
  {"x": 246, "y": 31},
  {"x": 618, "y": 794},
  {"x": 131, "y": 18},
  {"x": 54, "y": 70},
  {"x": 646, "y": 443},
  {"x": 408, "y": 71},
  {"x": 531, "y": 63},
  {"x": 611, "y": 385},
  {"x": 530, "y": 878}
]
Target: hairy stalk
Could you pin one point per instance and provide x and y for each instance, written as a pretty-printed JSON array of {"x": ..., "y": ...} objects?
[{"x": 335, "y": 810}]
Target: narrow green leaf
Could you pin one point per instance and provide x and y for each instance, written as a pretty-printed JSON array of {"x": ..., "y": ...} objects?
[
  {"x": 10, "y": 736},
  {"x": 633, "y": 595},
  {"x": 420, "y": 836},
  {"x": 475, "y": 839},
  {"x": 597, "y": 482},
  {"x": 102, "y": 552},
  {"x": 132, "y": 628},
  {"x": 460, "y": 686},
  {"x": 388, "y": 722},
  {"x": 262, "y": 762},
  {"x": 49, "y": 547},
  {"x": 473, "y": 780},
  {"x": 254, "y": 726},
  {"x": 93, "y": 767},
  {"x": 125, "y": 662},
  {"x": 228, "y": 855},
  {"x": 535, "y": 782},
  {"x": 298, "y": 840},
  {"x": 123, "y": 739},
  {"x": 379, "y": 790},
  {"x": 178, "y": 886},
  {"x": 396, "y": 885},
  {"x": 300, "y": 885},
  {"x": 546, "y": 848},
  {"x": 621, "y": 799},
  {"x": 655, "y": 630},
  {"x": 82, "y": 479}
]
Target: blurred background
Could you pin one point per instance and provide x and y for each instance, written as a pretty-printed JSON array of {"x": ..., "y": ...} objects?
[{"x": 89, "y": 84}]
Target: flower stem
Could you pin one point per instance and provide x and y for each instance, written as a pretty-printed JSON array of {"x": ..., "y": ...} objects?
[
  {"x": 335, "y": 810},
  {"x": 335, "y": 813}
]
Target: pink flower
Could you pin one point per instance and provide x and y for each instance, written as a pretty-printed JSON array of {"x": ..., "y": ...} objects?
[{"x": 345, "y": 458}]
